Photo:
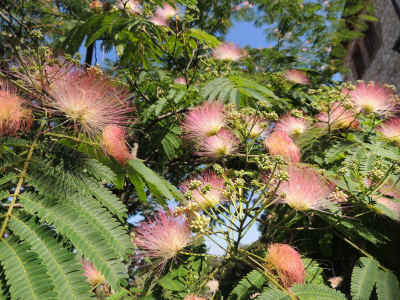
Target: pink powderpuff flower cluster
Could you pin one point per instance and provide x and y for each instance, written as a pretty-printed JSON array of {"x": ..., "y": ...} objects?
[
  {"x": 212, "y": 196},
  {"x": 88, "y": 100},
  {"x": 390, "y": 129},
  {"x": 255, "y": 126},
  {"x": 93, "y": 275},
  {"x": 132, "y": 6},
  {"x": 193, "y": 297},
  {"x": 390, "y": 204},
  {"x": 204, "y": 120},
  {"x": 297, "y": 76},
  {"x": 306, "y": 189},
  {"x": 204, "y": 125},
  {"x": 228, "y": 51},
  {"x": 221, "y": 144},
  {"x": 162, "y": 237},
  {"x": 279, "y": 143},
  {"x": 14, "y": 116},
  {"x": 291, "y": 126},
  {"x": 373, "y": 97},
  {"x": 114, "y": 143},
  {"x": 180, "y": 80},
  {"x": 163, "y": 14},
  {"x": 338, "y": 118},
  {"x": 287, "y": 263}
]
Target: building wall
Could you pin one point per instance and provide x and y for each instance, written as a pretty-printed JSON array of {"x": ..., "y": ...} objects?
[{"x": 373, "y": 57}]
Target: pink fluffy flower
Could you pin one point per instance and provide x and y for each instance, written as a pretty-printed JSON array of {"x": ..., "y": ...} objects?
[
  {"x": 222, "y": 144},
  {"x": 204, "y": 120},
  {"x": 338, "y": 118},
  {"x": 159, "y": 21},
  {"x": 213, "y": 285},
  {"x": 255, "y": 126},
  {"x": 14, "y": 117},
  {"x": 373, "y": 97},
  {"x": 88, "y": 100},
  {"x": 291, "y": 125},
  {"x": 163, "y": 237},
  {"x": 93, "y": 276},
  {"x": 193, "y": 297},
  {"x": 180, "y": 80},
  {"x": 166, "y": 11},
  {"x": 390, "y": 129},
  {"x": 286, "y": 261},
  {"x": 228, "y": 51},
  {"x": 279, "y": 143},
  {"x": 206, "y": 197},
  {"x": 132, "y": 6},
  {"x": 389, "y": 191},
  {"x": 114, "y": 143},
  {"x": 306, "y": 189},
  {"x": 297, "y": 76}
]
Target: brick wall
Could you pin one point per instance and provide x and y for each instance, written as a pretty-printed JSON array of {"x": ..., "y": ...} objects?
[{"x": 373, "y": 57}]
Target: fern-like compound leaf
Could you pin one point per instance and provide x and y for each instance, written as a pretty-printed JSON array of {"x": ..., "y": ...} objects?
[
  {"x": 78, "y": 229},
  {"x": 314, "y": 291},
  {"x": 63, "y": 266},
  {"x": 387, "y": 286},
  {"x": 363, "y": 278},
  {"x": 25, "y": 273},
  {"x": 247, "y": 285}
]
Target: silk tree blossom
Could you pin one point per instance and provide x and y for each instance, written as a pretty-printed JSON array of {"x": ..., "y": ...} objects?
[
  {"x": 255, "y": 126},
  {"x": 287, "y": 263},
  {"x": 194, "y": 297},
  {"x": 159, "y": 21},
  {"x": 180, "y": 80},
  {"x": 393, "y": 205},
  {"x": 88, "y": 100},
  {"x": 291, "y": 126},
  {"x": 228, "y": 51},
  {"x": 297, "y": 76},
  {"x": 132, "y": 6},
  {"x": 306, "y": 189},
  {"x": 373, "y": 97},
  {"x": 390, "y": 129},
  {"x": 209, "y": 192},
  {"x": 338, "y": 118},
  {"x": 204, "y": 120},
  {"x": 213, "y": 285},
  {"x": 279, "y": 143},
  {"x": 114, "y": 143},
  {"x": 163, "y": 14},
  {"x": 219, "y": 145},
  {"x": 162, "y": 237},
  {"x": 166, "y": 11},
  {"x": 14, "y": 116},
  {"x": 96, "y": 4},
  {"x": 94, "y": 277}
]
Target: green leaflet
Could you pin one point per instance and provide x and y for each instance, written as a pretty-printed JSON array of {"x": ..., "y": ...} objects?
[
  {"x": 63, "y": 267},
  {"x": 313, "y": 292},
  {"x": 83, "y": 235},
  {"x": 387, "y": 286},
  {"x": 25, "y": 272},
  {"x": 157, "y": 185},
  {"x": 247, "y": 285},
  {"x": 230, "y": 89},
  {"x": 363, "y": 278}
]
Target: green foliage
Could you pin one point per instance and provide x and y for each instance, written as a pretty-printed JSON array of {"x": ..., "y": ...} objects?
[
  {"x": 252, "y": 282},
  {"x": 367, "y": 274},
  {"x": 238, "y": 90},
  {"x": 62, "y": 265},
  {"x": 28, "y": 278},
  {"x": 303, "y": 292}
]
